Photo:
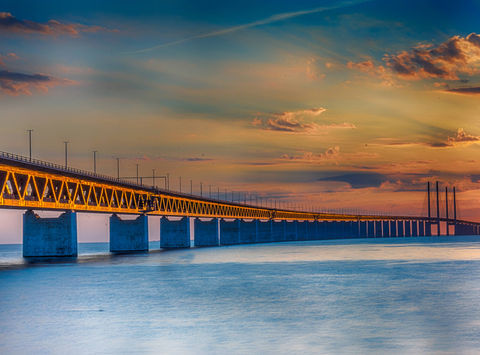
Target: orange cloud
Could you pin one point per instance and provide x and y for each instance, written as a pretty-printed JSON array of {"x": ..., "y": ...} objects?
[
  {"x": 11, "y": 24},
  {"x": 331, "y": 153},
  {"x": 15, "y": 83},
  {"x": 301, "y": 121},
  {"x": 446, "y": 61},
  {"x": 8, "y": 56}
]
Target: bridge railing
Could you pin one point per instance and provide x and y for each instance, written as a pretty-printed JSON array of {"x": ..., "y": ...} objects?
[
  {"x": 66, "y": 169},
  {"x": 63, "y": 168}
]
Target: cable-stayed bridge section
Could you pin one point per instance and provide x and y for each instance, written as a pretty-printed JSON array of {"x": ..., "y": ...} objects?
[{"x": 30, "y": 184}]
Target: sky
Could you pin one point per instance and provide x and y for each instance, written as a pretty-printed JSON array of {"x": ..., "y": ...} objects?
[{"x": 333, "y": 105}]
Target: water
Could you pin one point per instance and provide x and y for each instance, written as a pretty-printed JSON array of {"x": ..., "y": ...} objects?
[{"x": 406, "y": 295}]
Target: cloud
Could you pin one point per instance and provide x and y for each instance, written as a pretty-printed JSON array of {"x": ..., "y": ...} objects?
[
  {"x": 265, "y": 21},
  {"x": 370, "y": 68},
  {"x": 292, "y": 121},
  {"x": 8, "y": 56},
  {"x": 301, "y": 121},
  {"x": 460, "y": 138},
  {"x": 11, "y": 24},
  {"x": 359, "y": 180},
  {"x": 15, "y": 83},
  {"x": 331, "y": 153},
  {"x": 475, "y": 90},
  {"x": 457, "y": 55}
]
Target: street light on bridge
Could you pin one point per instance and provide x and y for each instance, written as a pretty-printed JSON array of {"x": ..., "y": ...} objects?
[
  {"x": 95, "y": 161},
  {"x": 30, "y": 143},
  {"x": 66, "y": 153}
]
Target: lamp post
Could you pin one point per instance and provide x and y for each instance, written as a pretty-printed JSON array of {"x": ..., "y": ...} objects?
[
  {"x": 95, "y": 161},
  {"x": 66, "y": 153},
  {"x": 118, "y": 168},
  {"x": 30, "y": 143}
]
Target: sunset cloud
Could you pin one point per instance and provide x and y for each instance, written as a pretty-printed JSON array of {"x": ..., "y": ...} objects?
[
  {"x": 462, "y": 137},
  {"x": 16, "y": 83},
  {"x": 331, "y": 153},
  {"x": 293, "y": 121},
  {"x": 474, "y": 90},
  {"x": 302, "y": 121},
  {"x": 8, "y": 56},
  {"x": 12, "y": 24},
  {"x": 457, "y": 55}
]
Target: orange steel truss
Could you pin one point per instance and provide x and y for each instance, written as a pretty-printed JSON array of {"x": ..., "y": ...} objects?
[
  {"x": 25, "y": 187},
  {"x": 28, "y": 188}
]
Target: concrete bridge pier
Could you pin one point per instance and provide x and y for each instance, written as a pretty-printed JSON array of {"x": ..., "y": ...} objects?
[
  {"x": 386, "y": 229},
  {"x": 312, "y": 230},
  {"x": 393, "y": 229},
  {"x": 205, "y": 232},
  {"x": 415, "y": 229},
  {"x": 229, "y": 232},
  {"x": 338, "y": 229},
  {"x": 322, "y": 230},
  {"x": 378, "y": 229},
  {"x": 354, "y": 227},
  {"x": 421, "y": 228},
  {"x": 278, "y": 230},
  {"x": 363, "y": 229},
  {"x": 50, "y": 237},
  {"x": 302, "y": 230},
  {"x": 174, "y": 234},
  {"x": 400, "y": 229},
  {"x": 408, "y": 231},
  {"x": 128, "y": 235},
  {"x": 291, "y": 230},
  {"x": 371, "y": 229},
  {"x": 264, "y": 231},
  {"x": 248, "y": 231},
  {"x": 428, "y": 229}
]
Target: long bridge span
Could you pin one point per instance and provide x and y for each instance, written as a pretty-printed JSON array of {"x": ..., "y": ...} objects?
[{"x": 30, "y": 184}]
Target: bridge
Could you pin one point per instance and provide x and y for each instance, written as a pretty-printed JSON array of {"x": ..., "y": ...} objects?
[{"x": 32, "y": 185}]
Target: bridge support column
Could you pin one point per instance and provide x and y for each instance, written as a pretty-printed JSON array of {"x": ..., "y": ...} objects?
[
  {"x": 278, "y": 230},
  {"x": 128, "y": 235},
  {"x": 302, "y": 230},
  {"x": 248, "y": 232},
  {"x": 421, "y": 228},
  {"x": 312, "y": 230},
  {"x": 363, "y": 229},
  {"x": 371, "y": 229},
  {"x": 174, "y": 234},
  {"x": 322, "y": 230},
  {"x": 291, "y": 230},
  {"x": 264, "y": 231},
  {"x": 205, "y": 233},
  {"x": 337, "y": 229},
  {"x": 393, "y": 229},
  {"x": 400, "y": 229},
  {"x": 386, "y": 229},
  {"x": 408, "y": 232},
  {"x": 229, "y": 232},
  {"x": 354, "y": 226},
  {"x": 415, "y": 229},
  {"x": 378, "y": 229},
  {"x": 428, "y": 229},
  {"x": 49, "y": 237}
]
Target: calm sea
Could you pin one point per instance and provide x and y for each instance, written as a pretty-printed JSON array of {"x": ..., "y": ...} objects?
[{"x": 404, "y": 296}]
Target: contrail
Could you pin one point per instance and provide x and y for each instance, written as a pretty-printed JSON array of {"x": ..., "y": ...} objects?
[{"x": 265, "y": 21}]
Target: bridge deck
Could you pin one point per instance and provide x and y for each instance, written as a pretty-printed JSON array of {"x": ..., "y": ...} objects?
[{"x": 35, "y": 184}]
